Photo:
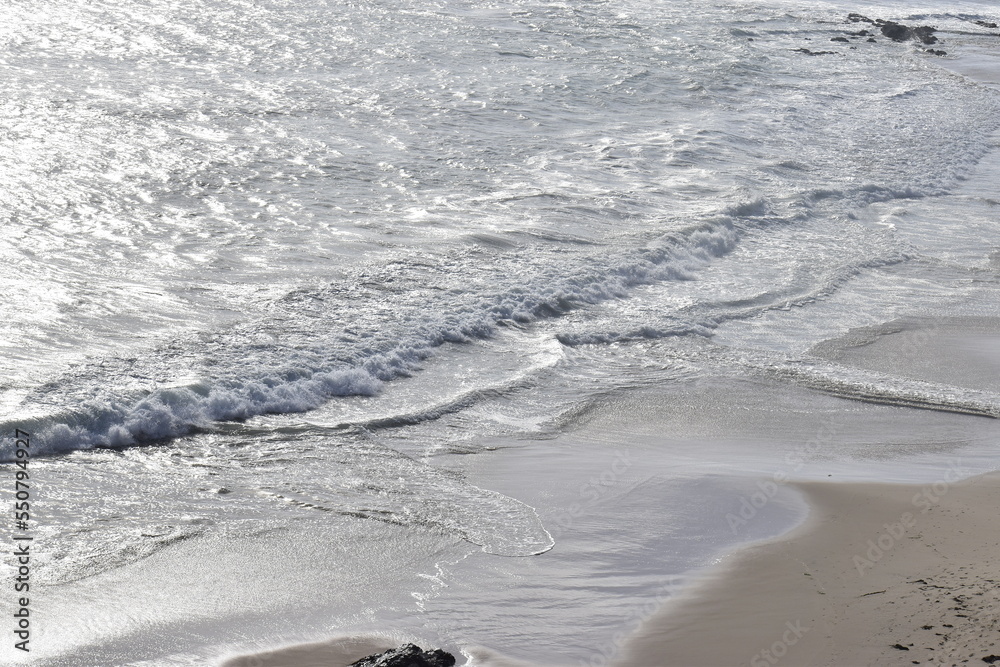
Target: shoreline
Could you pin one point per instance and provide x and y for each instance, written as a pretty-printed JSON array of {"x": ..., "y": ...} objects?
[
  {"x": 878, "y": 574},
  {"x": 889, "y": 567}
]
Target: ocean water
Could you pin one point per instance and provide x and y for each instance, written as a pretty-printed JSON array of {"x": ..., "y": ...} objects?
[{"x": 469, "y": 321}]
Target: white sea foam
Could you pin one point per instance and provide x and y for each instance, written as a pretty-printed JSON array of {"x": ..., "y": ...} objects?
[{"x": 118, "y": 421}]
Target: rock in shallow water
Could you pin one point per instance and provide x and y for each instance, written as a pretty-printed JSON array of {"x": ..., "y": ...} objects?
[
  {"x": 816, "y": 53},
  {"x": 409, "y": 655},
  {"x": 898, "y": 32}
]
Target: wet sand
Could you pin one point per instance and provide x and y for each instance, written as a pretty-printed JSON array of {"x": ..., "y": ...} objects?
[{"x": 880, "y": 574}]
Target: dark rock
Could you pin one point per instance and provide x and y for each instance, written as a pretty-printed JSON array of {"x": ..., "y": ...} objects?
[
  {"x": 925, "y": 34},
  {"x": 872, "y": 39},
  {"x": 900, "y": 33},
  {"x": 936, "y": 52},
  {"x": 409, "y": 655},
  {"x": 986, "y": 24},
  {"x": 900, "y": 647},
  {"x": 862, "y": 33},
  {"x": 896, "y": 31},
  {"x": 991, "y": 659},
  {"x": 815, "y": 53},
  {"x": 838, "y": 39},
  {"x": 858, "y": 18}
]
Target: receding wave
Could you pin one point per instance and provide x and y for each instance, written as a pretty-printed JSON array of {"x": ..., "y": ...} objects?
[
  {"x": 381, "y": 484},
  {"x": 161, "y": 413},
  {"x": 311, "y": 369},
  {"x": 885, "y": 389},
  {"x": 856, "y": 383}
]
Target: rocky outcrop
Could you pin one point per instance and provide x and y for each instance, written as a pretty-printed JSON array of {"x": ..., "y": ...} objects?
[
  {"x": 816, "y": 53},
  {"x": 901, "y": 33},
  {"x": 897, "y": 31},
  {"x": 409, "y": 655},
  {"x": 858, "y": 18}
]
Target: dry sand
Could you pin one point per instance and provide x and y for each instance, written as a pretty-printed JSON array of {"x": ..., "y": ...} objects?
[{"x": 879, "y": 574}]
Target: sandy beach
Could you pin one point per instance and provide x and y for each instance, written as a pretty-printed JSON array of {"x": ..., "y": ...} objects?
[{"x": 879, "y": 574}]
